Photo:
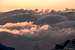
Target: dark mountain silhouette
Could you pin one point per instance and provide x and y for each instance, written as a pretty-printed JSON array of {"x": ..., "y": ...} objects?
[
  {"x": 3, "y": 47},
  {"x": 67, "y": 45}
]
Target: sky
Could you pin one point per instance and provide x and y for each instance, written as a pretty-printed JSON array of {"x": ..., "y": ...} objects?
[{"x": 6, "y": 5}]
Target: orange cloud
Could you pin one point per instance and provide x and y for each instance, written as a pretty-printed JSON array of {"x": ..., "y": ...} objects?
[{"x": 23, "y": 28}]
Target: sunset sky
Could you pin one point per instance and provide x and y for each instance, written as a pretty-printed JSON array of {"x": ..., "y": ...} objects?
[{"x": 6, "y": 5}]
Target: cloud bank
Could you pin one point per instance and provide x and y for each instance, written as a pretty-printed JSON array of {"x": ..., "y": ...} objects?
[{"x": 23, "y": 28}]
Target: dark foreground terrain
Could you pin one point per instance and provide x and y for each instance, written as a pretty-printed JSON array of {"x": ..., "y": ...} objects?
[{"x": 3, "y": 47}]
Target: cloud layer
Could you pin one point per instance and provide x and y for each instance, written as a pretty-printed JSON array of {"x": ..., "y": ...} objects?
[{"x": 23, "y": 28}]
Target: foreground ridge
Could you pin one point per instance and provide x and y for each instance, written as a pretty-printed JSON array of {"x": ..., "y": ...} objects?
[
  {"x": 3, "y": 47},
  {"x": 68, "y": 45}
]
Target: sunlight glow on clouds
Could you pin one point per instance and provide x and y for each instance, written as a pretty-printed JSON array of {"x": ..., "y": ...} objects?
[{"x": 23, "y": 28}]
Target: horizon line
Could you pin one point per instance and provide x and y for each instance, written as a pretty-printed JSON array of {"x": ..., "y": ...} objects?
[{"x": 34, "y": 9}]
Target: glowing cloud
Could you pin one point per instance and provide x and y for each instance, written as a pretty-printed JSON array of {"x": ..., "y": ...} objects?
[{"x": 23, "y": 28}]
